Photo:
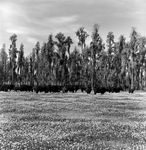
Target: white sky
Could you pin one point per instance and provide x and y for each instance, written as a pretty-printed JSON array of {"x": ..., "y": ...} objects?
[{"x": 34, "y": 20}]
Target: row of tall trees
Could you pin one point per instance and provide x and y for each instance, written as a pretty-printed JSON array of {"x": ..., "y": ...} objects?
[{"x": 116, "y": 64}]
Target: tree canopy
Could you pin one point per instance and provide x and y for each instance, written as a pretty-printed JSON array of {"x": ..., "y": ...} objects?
[{"x": 121, "y": 64}]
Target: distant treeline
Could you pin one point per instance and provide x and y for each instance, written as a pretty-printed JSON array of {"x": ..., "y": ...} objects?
[{"x": 121, "y": 66}]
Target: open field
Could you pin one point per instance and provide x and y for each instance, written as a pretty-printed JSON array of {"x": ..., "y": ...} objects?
[{"x": 30, "y": 121}]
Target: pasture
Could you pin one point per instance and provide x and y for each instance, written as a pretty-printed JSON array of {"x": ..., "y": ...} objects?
[{"x": 78, "y": 121}]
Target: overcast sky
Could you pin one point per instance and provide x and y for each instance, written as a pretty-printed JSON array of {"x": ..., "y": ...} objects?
[{"x": 34, "y": 20}]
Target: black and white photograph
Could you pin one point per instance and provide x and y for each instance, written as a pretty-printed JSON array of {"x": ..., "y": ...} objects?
[{"x": 72, "y": 74}]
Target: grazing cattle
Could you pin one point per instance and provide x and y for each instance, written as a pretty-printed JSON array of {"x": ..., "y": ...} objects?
[
  {"x": 55, "y": 88},
  {"x": 35, "y": 88},
  {"x": 83, "y": 88},
  {"x": 117, "y": 89},
  {"x": 110, "y": 89},
  {"x": 64, "y": 89},
  {"x": 10, "y": 87},
  {"x": 76, "y": 88},
  {"x": 6, "y": 87},
  {"x": 27, "y": 88},
  {"x": 21, "y": 88},
  {"x": 39, "y": 89},
  {"x": 69, "y": 88},
  {"x": 3, "y": 88},
  {"x": 131, "y": 90},
  {"x": 114, "y": 89},
  {"x": 88, "y": 89},
  {"x": 17, "y": 88},
  {"x": 49, "y": 88},
  {"x": 100, "y": 90}
]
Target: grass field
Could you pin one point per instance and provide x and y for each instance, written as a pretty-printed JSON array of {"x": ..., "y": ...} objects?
[{"x": 30, "y": 121}]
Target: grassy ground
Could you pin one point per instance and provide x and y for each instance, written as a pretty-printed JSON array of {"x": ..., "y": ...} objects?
[{"x": 112, "y": 121}]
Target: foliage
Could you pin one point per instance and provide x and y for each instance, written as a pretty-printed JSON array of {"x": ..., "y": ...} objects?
[{"x": 121, "y": 64}]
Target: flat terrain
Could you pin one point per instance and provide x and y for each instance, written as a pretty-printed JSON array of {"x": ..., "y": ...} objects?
[{"x": 78, "y": 121}]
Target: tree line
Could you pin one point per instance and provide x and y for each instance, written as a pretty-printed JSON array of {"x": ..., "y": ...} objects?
[{"x": 122, "y": 65}]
